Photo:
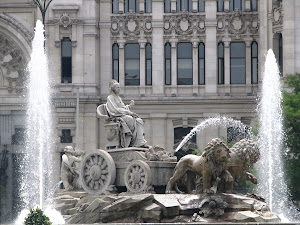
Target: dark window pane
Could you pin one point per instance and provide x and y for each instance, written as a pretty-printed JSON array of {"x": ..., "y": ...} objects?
[
  {"x": 190, "y": 5},
  {"x": 132, "y": 64},
  {"x": 115, "y": 51},
  {"x": 126, "y": 5},
  {"x": 19, "y": 137},
  {"x": 137, "y": 6},
  {"x": 66, "y": 48},
  {"x": 115, "y": 6},
  {"x": 66, "y": 136},
  {"x": 254, "y": 49},
  {"x": 168, "y": 71},
  {"x": 231, "y": 5},
  {"x": 66, "y": 61},
  {"x": 148, "y": 72},
  {"x": 254, "y": 5},
  {"x": 167, "y": 6},
  {"x": 184, "y": 50},
  {"x": 201, "y": 6},
  {"x": 220, "y": 5},
  {"x": 201, "y": 50},
  {"x": 237, "y": 4},
  {"x": 221, "y": 50},
  {"x": 148, "y": 6},
  {"x": 185, "y": 71},
  {"x": 237, "y": 50},
  {"x": 168, "y": 50},
  {"x": 237, "y": 70},
  {"x": 180, "y": 133},
  {"x": 254, "y": 71},
  {"x": 178, "y": 5},
  {"x": 132, "y": 5},
  {"x": 280, "y": 60},
  {"x": 201, "y": 71},
  {"x": 221, "y": 71},
  {"x": 116, "y": 70},
  {"x": 132, "y": 51},
  {"x": 148, "y": 51}
]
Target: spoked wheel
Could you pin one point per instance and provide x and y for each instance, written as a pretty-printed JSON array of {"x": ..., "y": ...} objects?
[
  {"x": 137, "y": 176},
  {"x": 98, "y": 171}
]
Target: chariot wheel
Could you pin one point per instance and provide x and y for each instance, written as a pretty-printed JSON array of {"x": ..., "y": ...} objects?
[
  {"x": 98, "y": 171},
  {"x": 137, "y": 176}
]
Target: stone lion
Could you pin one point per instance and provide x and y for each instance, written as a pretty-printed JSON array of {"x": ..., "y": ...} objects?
[
  {"x": 210, "y": 165},
  {"x": 243, "y": 154}
]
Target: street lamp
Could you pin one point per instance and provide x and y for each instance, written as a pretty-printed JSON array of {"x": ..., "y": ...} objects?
[{"x": 43, "y": 6}]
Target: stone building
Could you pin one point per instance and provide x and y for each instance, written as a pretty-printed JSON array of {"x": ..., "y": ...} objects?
[{"x": 182, "y": 61}]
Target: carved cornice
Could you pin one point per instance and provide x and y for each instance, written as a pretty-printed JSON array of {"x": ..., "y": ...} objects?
[
  {"x": 131, "y": 26},
  {"x": 184, "y": 25},
  {"x": 237, "y": 25},
  {"x": 65, "y": 21},
  {"x": 28, "y": 36}
]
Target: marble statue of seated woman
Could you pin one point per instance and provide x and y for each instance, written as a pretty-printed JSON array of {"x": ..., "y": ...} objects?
[{"x": 132, "y": 127}]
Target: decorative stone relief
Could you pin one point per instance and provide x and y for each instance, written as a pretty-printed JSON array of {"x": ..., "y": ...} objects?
[
  {"x": 12, "y": 64},
  {"x": 277, "y": 16},
  {"x": 184, "y": 25},
  {"x": 18, "y": 26},
  {"x": 238, "y": 24},
  {"x": 70, "y": 103},
  {"x": 65, "y": 20},
  {"x": 131, "y": 25}
]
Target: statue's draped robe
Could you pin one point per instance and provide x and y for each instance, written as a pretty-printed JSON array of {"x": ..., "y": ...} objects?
[{"x": 132, "y": 129}]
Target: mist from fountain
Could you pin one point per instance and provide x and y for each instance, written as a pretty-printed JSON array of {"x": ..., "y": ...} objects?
[
  {"x": 221, "y": 121},
  {"x": 271, "y": 178},
  {"x": 36, "y": 166}
]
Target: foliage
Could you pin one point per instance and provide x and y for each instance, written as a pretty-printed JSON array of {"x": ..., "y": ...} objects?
[
  {"x": 291, "y": 121},
  {"x": 37, "y": 217}
]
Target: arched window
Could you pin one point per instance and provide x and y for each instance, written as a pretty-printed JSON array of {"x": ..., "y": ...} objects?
[
  {"x": 132, "y": 5},
  {"x": 148, "y": 64},
  {"x": 220, "y": 63},
  {"x": 115, "y": 6},
  {"x": 148, "y": 6},
  {"x": 237, "y": 63},
  {"x": 280, "y": 55},
  {"x": 115, "y": 61},
  {"x": 201, "y": 6},
  {"x": 254, "y": 62},
  {"x": 66, "y": 60},
  {"x": 167, "y": 6},
  {"x": 132, "y": 64},
  {"x": 184, "y": 64},
  {"x": 184, "y": 5},
  {"x": 220, "y": 5},
  {"x": 201, "y": 64},
  {"x": 237, "y": 4},
  {"x": 253, "y": 5},
  {"x": 168, "y": 64}
]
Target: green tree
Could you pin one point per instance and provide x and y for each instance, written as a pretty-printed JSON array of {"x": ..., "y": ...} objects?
[
  {"x": 291, "y": 119},
  {"x": 37, "y": 217}
]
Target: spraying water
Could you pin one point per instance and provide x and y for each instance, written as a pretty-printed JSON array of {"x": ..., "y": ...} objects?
[
  {"x": 213, "y": 122},
  {"x": 36, "y": 187},
  {"x": 271, "y": 178}
]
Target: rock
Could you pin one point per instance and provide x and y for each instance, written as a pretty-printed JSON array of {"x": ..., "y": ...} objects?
[
  {"x": 169, "y": 204},
  {"x": 151, "y": 213},
  {"x": 72, "y": 211},
  {"x": 248, "y": 216},
  {"x": 62, "y": 208},
  {"x": 98, "y": 204}
]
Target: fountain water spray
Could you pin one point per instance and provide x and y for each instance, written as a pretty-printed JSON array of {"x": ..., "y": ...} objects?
[
  {"x": 221, "y": 121},
  {"x": 36, "y": 166},
  {"x": 271, "y": 180}
]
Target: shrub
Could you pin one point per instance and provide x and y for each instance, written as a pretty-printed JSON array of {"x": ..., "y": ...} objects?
[{"x": 37, "y": 217}]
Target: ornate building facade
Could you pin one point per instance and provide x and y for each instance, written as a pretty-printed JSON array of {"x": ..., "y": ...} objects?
[{"x": 182, "y": 61}]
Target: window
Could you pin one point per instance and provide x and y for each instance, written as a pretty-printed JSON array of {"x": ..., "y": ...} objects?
[
  {"x": 148, "y": 64},
  {"x": 201, "y": 63},
  {"x": 66, "y": 61},
  {"x": 220, "y": 5},
  {"x": 148, "y": 6},
  {"x": 132, "y": 5},
  {"x": 201, "y": 6},
  {"x": 235, "y": 134},
  {"x": 237, "y": 4},
  {"x": 181, "y": 132},
  {"x": 237, "y": 63},
  {"x": 167, "y": 6},
  {"x": 66, "y": 136},
  {"x": 221, "y": 63},
  {"x": 184, "y": 5},
  {"x": 254, "y": 63},
  {"x": 280, "y": 54},
  {"x": 184, "y": 64},
  {"x": 168, "y": 64},
  {"x": 115, "y": 61},
  {"x": 253, "y": 5},
  {"x": 19, "y": 137},
  {"x": 132, "y": 64},
  {"x": 115, "y": 6}
]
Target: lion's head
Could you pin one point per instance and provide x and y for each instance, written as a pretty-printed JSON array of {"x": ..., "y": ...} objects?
[
  {"x": 217, "y": 151},
  {"x": 247, "y": 150}
]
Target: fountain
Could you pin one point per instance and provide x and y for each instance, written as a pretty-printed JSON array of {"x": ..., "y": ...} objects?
[
  {"x": 272, "y": 184},
  {"x": 36, "y": 187}
]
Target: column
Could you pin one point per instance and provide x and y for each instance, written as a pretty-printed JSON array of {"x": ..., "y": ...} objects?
[
  {"x": 195, "y": 5},
  {"x": 142, "y": 6},
  {"x": 195, "y": 67},
  {"x": 157, "y": 48},
  {"x": 247, "y": 5},
  {"x": 211, "y": 46},
  {"x": 226, "y": 5},
  {"x": 121, "y": 66},
  {"x": 173, "y": 5},
  {"x": 121, "y": 6},
  {"x": 227, "y": 67},
  {"x": 142, "y": 67},
  {"x": 174, "y": 68}
]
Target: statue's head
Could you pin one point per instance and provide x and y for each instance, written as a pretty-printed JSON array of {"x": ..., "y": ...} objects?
[
  {"x": 114, "y": 86},
  {"x": 69, "y": 149}
]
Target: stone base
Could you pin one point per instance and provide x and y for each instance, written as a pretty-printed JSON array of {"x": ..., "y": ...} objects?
[{"x": 80, "y": 208}]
